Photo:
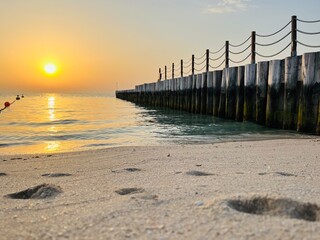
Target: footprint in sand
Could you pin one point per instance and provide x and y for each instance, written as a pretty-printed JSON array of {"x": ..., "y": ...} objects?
[
  {"x": 281, "y": 207},
  {"x": 127, "y": 169},
  {"x": 150, "y": 197},
  {"x": 262, "y": 173},
  {"x": 42, "y": 191},
  {"x": 284, "y": 174},
  {"x": 126, "y": 191},
  {"x": 56, "y": 175},
  {"x": 132, "y": 169},
  {"x": 198, "y": 173}
]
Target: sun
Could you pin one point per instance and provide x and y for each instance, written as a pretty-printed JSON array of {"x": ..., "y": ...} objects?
[{"x": 50, "y": 68}]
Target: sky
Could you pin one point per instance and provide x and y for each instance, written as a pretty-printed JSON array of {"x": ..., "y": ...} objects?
[{"x": 103, "y": 45}]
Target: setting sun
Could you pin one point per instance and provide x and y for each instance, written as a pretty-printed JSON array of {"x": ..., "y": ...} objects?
[{"x": 50, "y": 68}]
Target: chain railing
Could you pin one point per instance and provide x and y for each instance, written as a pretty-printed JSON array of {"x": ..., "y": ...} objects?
[{"x": 240, "y": 53}]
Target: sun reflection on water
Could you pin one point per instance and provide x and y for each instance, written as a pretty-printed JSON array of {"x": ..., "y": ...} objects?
[
  {"x": 51, "y": 105},
  {"x": 52, "y": 129},
  {"x": 52, "y": 146}
]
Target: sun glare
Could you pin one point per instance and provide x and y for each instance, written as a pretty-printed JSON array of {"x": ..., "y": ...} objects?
[{"x": 50, "y": 68}]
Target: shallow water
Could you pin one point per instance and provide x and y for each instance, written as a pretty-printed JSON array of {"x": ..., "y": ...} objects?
[{"x": 58, "y": 123}]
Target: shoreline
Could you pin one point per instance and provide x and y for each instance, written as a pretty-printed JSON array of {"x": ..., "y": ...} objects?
[
  {"x": 165, "y": 192},
  {"x": 262, "y": 137}
]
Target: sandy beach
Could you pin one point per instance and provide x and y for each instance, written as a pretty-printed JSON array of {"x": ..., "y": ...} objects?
[{"x": 237, "y": 190}]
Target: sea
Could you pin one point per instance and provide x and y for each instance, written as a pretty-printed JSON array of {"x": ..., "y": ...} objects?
[{"x": 50, "y": 123}]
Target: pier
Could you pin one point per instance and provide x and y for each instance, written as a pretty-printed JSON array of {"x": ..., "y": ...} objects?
[{"x": 282, "y": 94}]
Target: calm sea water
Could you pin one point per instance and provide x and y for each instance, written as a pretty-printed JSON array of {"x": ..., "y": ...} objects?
[{"x": 58, "y": 123}]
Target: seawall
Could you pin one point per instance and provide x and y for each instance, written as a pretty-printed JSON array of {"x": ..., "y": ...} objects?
[{"x": 281, "y": 94}]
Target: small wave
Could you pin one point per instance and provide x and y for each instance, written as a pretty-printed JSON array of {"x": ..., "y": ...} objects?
[
  {"x": 55, "y": 122},
  {"x": 4, "y": 145},
  {"x": 61, "y": 137},
  {"x": 97, "y": 145}
]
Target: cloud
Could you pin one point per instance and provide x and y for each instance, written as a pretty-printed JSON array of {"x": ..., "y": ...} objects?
[{"x": 229, "y": 6}]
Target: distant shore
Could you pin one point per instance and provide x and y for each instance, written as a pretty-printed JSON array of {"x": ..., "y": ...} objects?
[{"x": 242, "y": 190}]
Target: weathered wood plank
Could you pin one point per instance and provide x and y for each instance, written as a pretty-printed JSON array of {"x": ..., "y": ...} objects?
[
  {"x": 222, "y": 102},
  {"x": 231, "y": 90},
  {"x": 240, "y": 93},
  {"x": 198, "y": 94},
  {"x": 209, "y": 104},
  {"x": 309, "y": 99},
  {"x": 249, "y": 107},
  {"x": 261, "y": 92},
  {"x": 203, "y": 97},
  {"x": 275, "y": 104},
  {"x": 291, "y": 70},
  {"x": 216, "y": 90}
]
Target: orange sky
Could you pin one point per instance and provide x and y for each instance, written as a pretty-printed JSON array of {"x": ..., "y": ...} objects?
[{"x": 98, "y": 45}]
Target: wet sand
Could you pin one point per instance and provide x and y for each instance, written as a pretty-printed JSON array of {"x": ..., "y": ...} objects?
[{"x": 238, "y": 190}]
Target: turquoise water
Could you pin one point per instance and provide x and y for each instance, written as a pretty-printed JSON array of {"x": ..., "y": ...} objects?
[{"x": 58, "y": 123}]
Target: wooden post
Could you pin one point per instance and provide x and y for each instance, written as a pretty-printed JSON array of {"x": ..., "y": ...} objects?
[
  {"x": 182, "y": 93},
  {"x": 207, "y": 60},
  {"x": 253, "y": 47},
  {"x": 216, "y": 90},
  {"x": 231, "y": 86},
  {"x": 156, "y": 94},
  {"x": 172, "y": 70},
  {"x": 189, "y": 93},
  {"x": 291, "y": 66},
  {"x": 249, "y": 102},
  {"x": 177, "y": 93},
  {"x": 171, "y": 93},
  {"x": 193, "y": 98},
  {"x": 152, "y": 95},
  {"x": 147, "y": 94},
  {"x": 222, "y": 102},
  {"x": 274, "y": 113},
  {"x": 203, "y": 108},
  {"x": 240, "y": 92},
  {"x": 261, "y": 93},
  {"x": 165, "y": 72},
  {"x": 181, "y": 66},
  {"x": 159, "y": 93},
  {"x": 198, "y": 93},
  {"x": 166, "y": 93},
  {"x": 227, "y": 55},
  {"x": 310, "y": 96},
  {"x": 209, "y": 93},
  {"x": 293, "y": 36},
  {"x": 318, "y": 123},
  {"x": 192, "y": 64}
]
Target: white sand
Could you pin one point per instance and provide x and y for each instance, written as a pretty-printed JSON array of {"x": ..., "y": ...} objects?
[{"x": 173, "y": 204}]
